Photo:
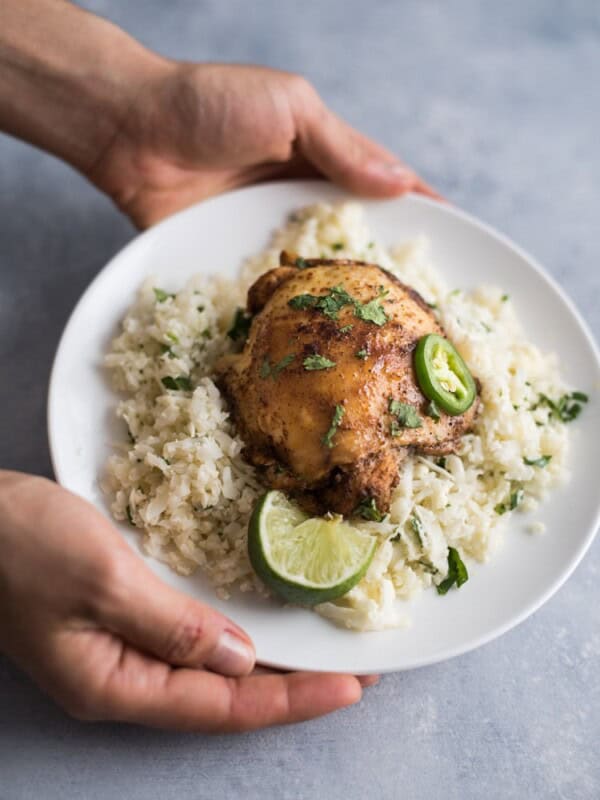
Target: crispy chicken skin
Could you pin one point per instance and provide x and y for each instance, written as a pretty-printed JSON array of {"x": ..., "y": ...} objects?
[{"x": 284, "y": 411}]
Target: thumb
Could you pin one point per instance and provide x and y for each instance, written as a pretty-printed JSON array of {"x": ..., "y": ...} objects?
[
  {"x": 172, "y": 626},
  {"x": 350, "y": 159}
]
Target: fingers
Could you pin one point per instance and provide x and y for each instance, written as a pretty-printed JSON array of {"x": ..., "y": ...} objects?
[
  {"x": 153, "y": 694},
  {"x": 179, "y": 630},
  {"x": 347, "y": 157}
]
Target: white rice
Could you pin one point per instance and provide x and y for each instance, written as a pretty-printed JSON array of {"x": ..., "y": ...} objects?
[{"x": 184, "y": 484}]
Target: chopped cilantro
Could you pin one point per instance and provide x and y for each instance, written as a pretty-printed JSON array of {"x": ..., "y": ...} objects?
[
  {"x": 161, "y": 295},
  {"x": 504, "y": 298},
  {"x": 406, "y": 416},
  {"x": 172, "y": 337},
  {"x": 335, "y": 421},
  {"x": 240, "y": 325},
  {"x": 457, "y": 572},
  {"x": 317, "y": 362},
  {"x": 201, "y": 308},
  {"x": 362, "y": 354},
  {"x": 542, "y": 461},
  {"x": 337, "y": 297},
  {"x": 181, "y": 383},
  {"x": 372, "y": 311},
  {"x": 515, "y": 500},
  {"x": 337, "y": 246},
  {"x": 432, "y": 305},
  {"x": 440, "y": 462},
  {"x": 273, "y": 371},
  {"x": 346, "y": 328},
  {"x": 367, "y": 509},
  {"x": 301, "y": 263},
  {"x": 433, "y": 411},
  {"x": 206, "y": 334},
  {"x": 166, "y": 349},
  {"x": 566, "y": 408},
  {"x": 417, "y": 528}
]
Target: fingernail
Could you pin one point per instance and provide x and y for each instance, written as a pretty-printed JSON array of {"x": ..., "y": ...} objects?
[
  {"x": 392, "y": 169},
  {"x": 368, "y": 680},
  {"x": 232, "y": 655}
]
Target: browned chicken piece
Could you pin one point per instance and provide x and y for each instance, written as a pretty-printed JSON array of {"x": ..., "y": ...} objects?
[{"x": 331, "y": 343}]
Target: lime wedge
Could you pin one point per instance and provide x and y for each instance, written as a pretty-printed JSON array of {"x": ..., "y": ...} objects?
[{"x": 305, "y": 560}]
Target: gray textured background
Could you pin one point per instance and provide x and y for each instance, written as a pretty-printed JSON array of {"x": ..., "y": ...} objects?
[{"x": 498, "y": 105}]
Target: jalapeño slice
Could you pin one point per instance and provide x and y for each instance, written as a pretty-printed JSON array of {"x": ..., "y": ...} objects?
[{"x": 443, "y": 376}]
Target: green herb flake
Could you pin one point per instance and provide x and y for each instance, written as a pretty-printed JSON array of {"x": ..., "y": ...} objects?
[
  {"x": 362, "y": 354},
  {"x": 346, "y": 328},
  {"x": 338, "y": 414},
  {"x": 161, "y": 295},
  {"x": 316, "y": 362},
  {"x": 433, "y": 305},
  {"x": 240, "y": 326},
  {"x": 267, "y": 370},
  {"x": 514, "y": 501},
  {"x": 201, "y": 308},
  {"x": 542, "y": 461},
  {"x": 368, "y": 510},
  {"x": 457, "y": 572},
  {"x": 337, "y": 246},
  {"x": 372, "y": 311},
  {"x": 433, "y": 411},
  {"x": 406, "y": 416},
  {"x": 301, "y": 263},
  {"x": 504, "y": 298},
  {"x": 181, "y": 383},
  {"x": 172, "y": 337},
  {"x": 417, "y": 528},
  {"x": 565, "y": 409},
  {"x": 440, "y": 462},
  {"x": 206, "y": 334}
]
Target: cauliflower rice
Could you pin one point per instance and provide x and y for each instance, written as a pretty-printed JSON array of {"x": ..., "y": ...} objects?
[{"x": 181, "y": 480}]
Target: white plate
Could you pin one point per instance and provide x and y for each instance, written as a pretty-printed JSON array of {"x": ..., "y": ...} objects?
[{"x": 215, "y": 237}]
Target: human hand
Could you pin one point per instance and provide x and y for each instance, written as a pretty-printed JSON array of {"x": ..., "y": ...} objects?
[
  {"x": 98, "y": 631},
  {"x": 195, "y": 130}
]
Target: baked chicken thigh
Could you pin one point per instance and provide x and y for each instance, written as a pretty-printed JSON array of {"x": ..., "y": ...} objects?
[{"x": 324, "y": 391}]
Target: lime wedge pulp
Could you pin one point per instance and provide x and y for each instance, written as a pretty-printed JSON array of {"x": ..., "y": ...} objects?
[{"x": 305, "y": 560}]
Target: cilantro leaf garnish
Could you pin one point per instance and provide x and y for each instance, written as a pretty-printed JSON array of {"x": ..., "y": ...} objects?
[
  {"x": 180, "y": 383},
  {"x": 542, "y": 461},
  {"x": 457, "y": 572},
  {"x": 417, "y": 527},
  {"x": 566, "y": 408},
  {"x": 240, "y": 326},
  {"x": 367, "y": 509},
  {"x": 317, "y": 362},
  {"x": 362, "y": 354},
  {"x": 406, "y": 416},
  {"x": 514, "y": 501},
  {"x": 267, "y": 370},
  {"x": 433, "y": 411},
  {"x": 161, "y": 295},
  {"x": 372, "y": 311},
  {"x": 335, "y": 421}
]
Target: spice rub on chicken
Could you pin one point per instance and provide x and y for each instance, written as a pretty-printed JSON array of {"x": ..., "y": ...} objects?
[{"x": 324, "y": 391}]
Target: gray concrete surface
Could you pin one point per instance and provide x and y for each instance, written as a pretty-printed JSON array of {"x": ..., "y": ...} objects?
[{"x": 498, "y": 105}]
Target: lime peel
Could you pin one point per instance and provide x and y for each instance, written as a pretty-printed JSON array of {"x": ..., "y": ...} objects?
[{"x": 305, "y": 560}]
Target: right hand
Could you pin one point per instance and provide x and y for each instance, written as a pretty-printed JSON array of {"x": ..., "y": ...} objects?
[{"x": 97, "y": 630}]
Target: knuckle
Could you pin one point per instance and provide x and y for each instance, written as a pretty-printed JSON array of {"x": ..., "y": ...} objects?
[{"x": 186, "y": 638}]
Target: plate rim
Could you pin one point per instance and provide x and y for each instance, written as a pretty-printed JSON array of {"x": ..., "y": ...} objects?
[{"x": 453, "y": 211}]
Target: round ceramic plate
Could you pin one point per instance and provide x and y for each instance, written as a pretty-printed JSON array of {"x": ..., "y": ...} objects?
[{"x": 215, "y": 237}]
